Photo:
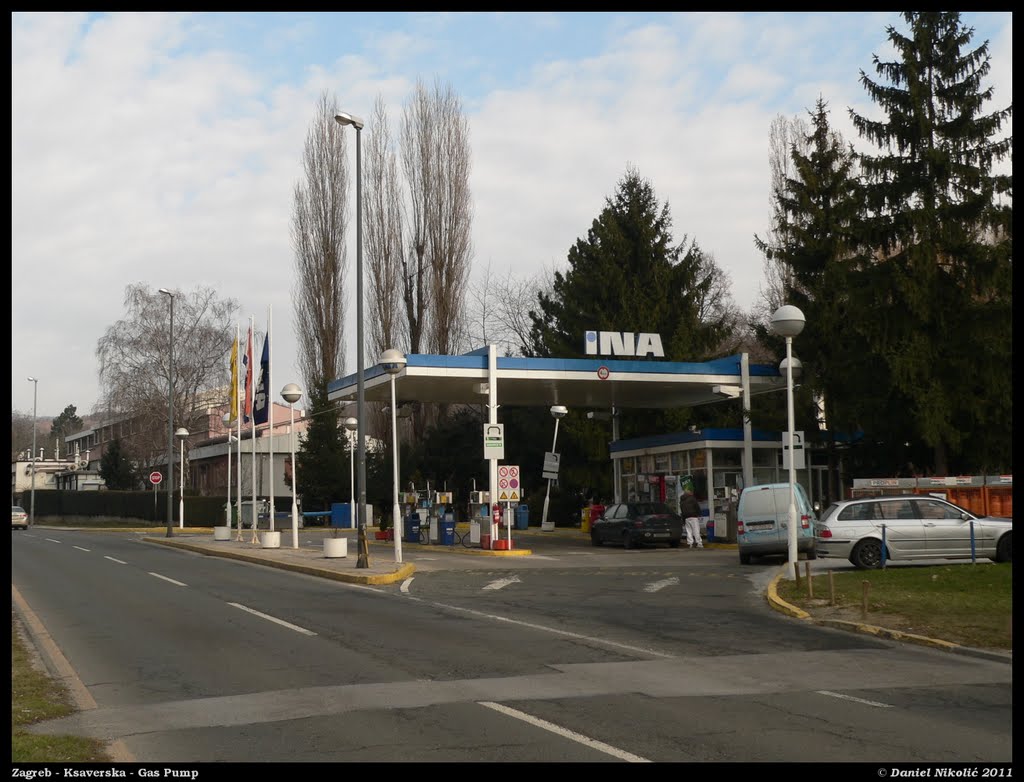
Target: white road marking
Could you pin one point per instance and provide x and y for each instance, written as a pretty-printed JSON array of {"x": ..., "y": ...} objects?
[
  {"x": 851, "y": 698},
  {"x": 553, "y": 630},
  {"x": 52, "y": 540},
  {"x": 501, "y": 583},
  {"x": 118, "y": 561},
  {"x": 600, "y": 746},
  {"x": 281, "y": 622},
  {"x": 654, "y": 587},
  {"x": 81, "y": 549},
  {"x": 165, "y": 578},
  {"x": 405, "y": 585}
]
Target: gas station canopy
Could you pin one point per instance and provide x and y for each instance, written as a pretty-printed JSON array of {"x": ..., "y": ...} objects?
[{"x": 577, "y": 383}]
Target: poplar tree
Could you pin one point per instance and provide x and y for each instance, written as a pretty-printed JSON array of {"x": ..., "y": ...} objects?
[{"x": 941, "y": 219}]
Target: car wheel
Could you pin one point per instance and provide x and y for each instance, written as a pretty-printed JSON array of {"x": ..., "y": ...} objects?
[
  {"x": 745, "y": 559},
  {"x": 627, "y": 540},
  {"x": 594, "y": 539},
  {"x": 1004, "y": 550},
  {"x": 673, "y": 544},
  {"x": 812, "y": 554},
  {"x": 867, "y": 554}
]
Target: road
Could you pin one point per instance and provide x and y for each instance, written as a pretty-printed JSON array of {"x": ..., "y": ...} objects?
[{"x": 573, "y": 654}]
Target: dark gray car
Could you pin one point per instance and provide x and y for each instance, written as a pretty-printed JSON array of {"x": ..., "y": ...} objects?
[{"x": 638, "y": 523}]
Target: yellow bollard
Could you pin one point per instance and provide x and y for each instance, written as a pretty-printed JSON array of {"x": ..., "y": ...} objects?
[{"x": 585, "y": 520}]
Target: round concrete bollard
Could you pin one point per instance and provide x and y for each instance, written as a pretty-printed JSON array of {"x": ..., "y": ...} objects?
[
  {"x": 272, "y": 539},
  {"x": 222, "y": 533},
  {"x": 335, "y": 547}
]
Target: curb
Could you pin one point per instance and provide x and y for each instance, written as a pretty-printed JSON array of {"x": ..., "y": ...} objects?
[
  {"x": 780, "y": 605},
  {"x": 400, "y": 574}
]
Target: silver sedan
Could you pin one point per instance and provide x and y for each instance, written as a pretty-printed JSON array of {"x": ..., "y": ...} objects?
[{"x": 909, "y": 527}]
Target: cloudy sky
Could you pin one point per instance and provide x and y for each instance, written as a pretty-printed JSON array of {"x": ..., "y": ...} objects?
[{"x": 164, "y": 148}]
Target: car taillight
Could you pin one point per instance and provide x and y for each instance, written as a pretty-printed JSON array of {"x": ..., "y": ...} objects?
[
  {"x": 805, "y": 521},
  {"x": 823, "y": 532},
  {"x": 739, "y": 526},
  {"x": 638, "y": 523}
]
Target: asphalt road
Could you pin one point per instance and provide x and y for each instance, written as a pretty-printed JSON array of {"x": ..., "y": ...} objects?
[{"x": 573, "y": 654}]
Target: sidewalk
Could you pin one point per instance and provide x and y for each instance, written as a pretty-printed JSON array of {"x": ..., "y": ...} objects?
[{"x": 381, "y": 566}]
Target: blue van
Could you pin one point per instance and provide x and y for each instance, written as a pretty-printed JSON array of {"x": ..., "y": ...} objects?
[{"x": 762, "y": 526}]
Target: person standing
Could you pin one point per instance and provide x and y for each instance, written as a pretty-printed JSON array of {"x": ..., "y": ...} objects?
[{"x": 689, "y": 509}]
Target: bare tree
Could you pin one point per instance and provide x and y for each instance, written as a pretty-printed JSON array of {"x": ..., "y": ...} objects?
[
  {"x": 318, "y": 226},
  {"x": 498, "y": 311},
  {"x": 134, "y": 361},
  {"x": 383, "y": 237},
  {"x": 418, "y": 226},
  {"x": 436, "y": 161},
  {"x": 785, "y": 135}
]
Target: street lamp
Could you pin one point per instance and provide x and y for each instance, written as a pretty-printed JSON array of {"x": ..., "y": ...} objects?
[
  {"x": 393, "y": 361},
  {"x": 170, "y": 415},
  {"x": 344, "y": 118},
  {"x": 557, "y": 412},
  {"x": 788, "y": 321},
  {"x": 32, "y": 506},
  {"x": 292, "y": 394},
  {"x": 351, "y": 424},
  {"x": 227, "y": 508},
  {"x": 182, "y": 433}
]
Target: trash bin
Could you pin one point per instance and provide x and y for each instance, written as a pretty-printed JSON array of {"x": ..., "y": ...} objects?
[
  {"x": 412, "y": 528},
  {"x": 448, "y": 530},
  {"x": 523, "y": 516}
]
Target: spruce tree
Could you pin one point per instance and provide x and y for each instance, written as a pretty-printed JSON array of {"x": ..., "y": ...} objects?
[
  {"x": 324, "y": 473},
  {"x": 116, "y": 469},
  {"x": 942, "y": 222}
]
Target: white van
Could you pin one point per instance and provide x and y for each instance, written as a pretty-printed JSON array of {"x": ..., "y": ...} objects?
[{"x": 762, "y": 522}]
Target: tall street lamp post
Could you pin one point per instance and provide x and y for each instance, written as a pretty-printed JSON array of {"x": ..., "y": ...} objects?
[
  {"x": 170, "y": 415},
  {"x": 227, "y": 508},
  {"x": 351, "y": 424},
  {"x": 788, "y": 321},
  {"x": 363, "y": 561},
  {"x": 393, "y": 361},
  {"x": 182, "y": 433},
  {"x": 32, "y": 506},
  {"x": 557, "y": 412},
  {"x": 292, "y": 394}
]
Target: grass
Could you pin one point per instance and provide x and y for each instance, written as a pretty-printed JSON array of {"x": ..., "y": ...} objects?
[
  {"x": 36, "y": 697},
  {"x": 970, "y": 605}
]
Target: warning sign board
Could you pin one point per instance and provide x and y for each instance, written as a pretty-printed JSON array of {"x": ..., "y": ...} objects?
[{"x": 508, "y": 483}]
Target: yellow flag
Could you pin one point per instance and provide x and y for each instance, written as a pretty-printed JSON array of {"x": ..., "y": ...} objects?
[{"x": 234, "y": 381}]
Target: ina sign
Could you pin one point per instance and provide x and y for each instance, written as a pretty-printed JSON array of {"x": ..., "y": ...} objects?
[{"x": 623, "y": 343}]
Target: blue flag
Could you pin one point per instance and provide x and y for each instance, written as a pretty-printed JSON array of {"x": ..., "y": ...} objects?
[{"x": 261, "y": 401}]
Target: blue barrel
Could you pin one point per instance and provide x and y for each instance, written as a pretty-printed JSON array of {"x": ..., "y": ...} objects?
[
  {"x": 412, "y": 528},
  {"x": 523, "y": 516},
  {"x": 448, "y": 530}
]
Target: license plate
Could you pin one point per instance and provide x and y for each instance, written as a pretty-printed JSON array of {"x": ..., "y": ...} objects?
[{"x": 759, "y": 524}]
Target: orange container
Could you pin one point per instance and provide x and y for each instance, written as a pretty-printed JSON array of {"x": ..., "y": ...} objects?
[{"x": 501, "y": 545}]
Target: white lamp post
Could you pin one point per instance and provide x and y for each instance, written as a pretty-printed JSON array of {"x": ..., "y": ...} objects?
[
  {"x": 182, "y": 433},
  {"x": 393, "y": 361},
  {"x": 351, "y": 424},
  {"x": 32, "y": 506},
  {"x": 344, "y": 118},
  {"x": 170, "y": 415},
  {"x": 227, "y": 510},
  {"x": 788, "y": 321},
  {"x": 291, "y": 394},
  {"x": 557, "y": 412}
]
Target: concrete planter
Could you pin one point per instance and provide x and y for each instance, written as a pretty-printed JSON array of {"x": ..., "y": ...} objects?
[
  {"x": 272, "y": 539},
  {"x": 335, "y": 547},
  {"x": 222, "y": 533}
]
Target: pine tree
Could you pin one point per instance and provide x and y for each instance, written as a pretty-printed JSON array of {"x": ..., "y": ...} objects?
[
  {"x": 817, "y": 240},
  {"x": 629, "y": 275},
  {"x": 116, "y": 468},
  {"x": 324, "y": 473},
  {"x": 943, "y": 223}
]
